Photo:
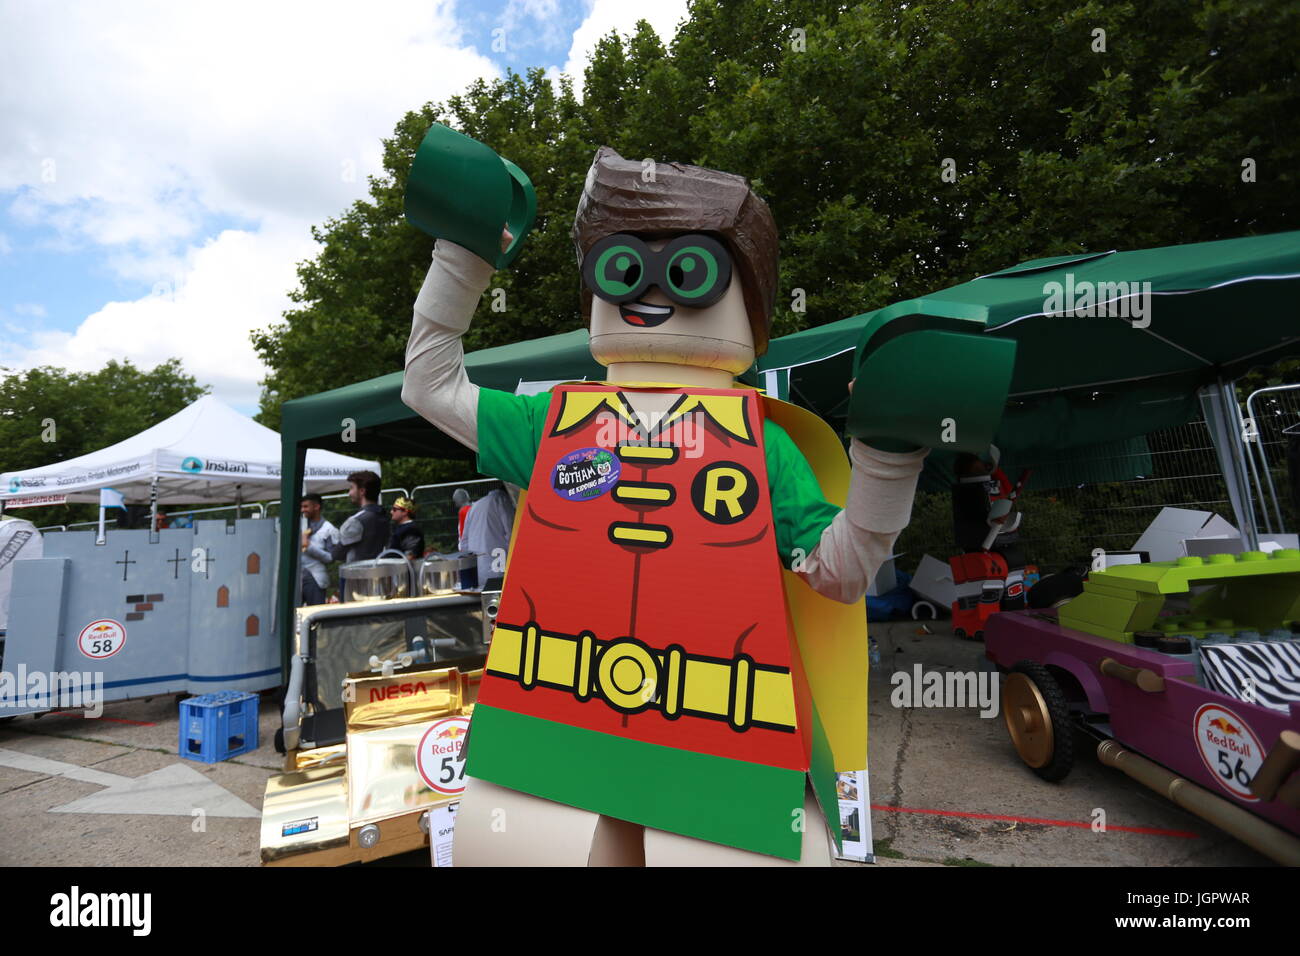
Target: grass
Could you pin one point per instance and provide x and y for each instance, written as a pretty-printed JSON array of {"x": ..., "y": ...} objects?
[{"x": 885, "y": 848}]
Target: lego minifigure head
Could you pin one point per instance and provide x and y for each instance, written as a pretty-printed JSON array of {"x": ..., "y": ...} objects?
[{"x": 679, "y": 264}]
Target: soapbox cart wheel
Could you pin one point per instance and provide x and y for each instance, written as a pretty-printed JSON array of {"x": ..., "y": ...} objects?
[{"x": 1038, "y": 720}]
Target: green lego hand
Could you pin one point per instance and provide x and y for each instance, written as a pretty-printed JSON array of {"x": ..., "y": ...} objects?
[
  {"x": 928, "y": 381},
  {"x": 460, "y": 190},
  {"x": 883, "y": 443}
]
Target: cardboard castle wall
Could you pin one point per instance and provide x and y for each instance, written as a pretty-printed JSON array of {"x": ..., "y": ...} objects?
[{"x": 192, "y": 611}]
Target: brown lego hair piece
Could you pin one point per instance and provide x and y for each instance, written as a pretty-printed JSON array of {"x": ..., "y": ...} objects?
[{"x": 680, "y": 198}]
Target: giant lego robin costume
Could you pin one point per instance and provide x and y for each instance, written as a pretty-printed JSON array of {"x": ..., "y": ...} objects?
[{"x": 681, "y": 643}]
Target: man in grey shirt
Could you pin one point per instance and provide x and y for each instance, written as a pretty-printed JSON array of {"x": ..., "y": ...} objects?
[
  {"x": 318, "y": 537},
  {"x": 366, "y": 533},
  {"x": 487, "y": 533}
]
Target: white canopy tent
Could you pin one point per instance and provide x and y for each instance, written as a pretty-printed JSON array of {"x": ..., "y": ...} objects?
[{"x": 207, "y": 452}]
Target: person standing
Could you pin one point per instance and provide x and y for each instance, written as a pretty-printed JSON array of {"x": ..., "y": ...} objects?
[
  {"x": 318, "y": 536},
  {"x": 407, "y": 536},
  {"x": 487, "y": 533},
  {"x": 365, "y": 534},
  {"x": 460, "y": 501}
]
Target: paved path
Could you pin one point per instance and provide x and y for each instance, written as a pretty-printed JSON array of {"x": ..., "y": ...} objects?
[{"x": 947, "y": 786}]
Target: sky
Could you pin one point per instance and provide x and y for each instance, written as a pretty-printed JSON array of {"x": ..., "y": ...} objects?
[{"x": 162, "y": 163}]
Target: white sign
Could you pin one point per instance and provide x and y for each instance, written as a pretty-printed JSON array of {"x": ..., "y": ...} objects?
[
  {"x": 853, "y": 794},
  {"x": 442, "y": 826},
  {"x": 440, "y": 758},
  {"x": 1230, "y": 749},
  {"x": 101, "y": 639}
]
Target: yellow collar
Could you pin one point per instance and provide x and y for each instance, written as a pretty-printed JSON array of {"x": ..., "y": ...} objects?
[{"x": 726, "y": 411}]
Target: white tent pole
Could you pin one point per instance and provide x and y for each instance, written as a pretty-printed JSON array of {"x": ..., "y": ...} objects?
[
  {"x": 100, "y": 538},
  {"x": 1232, "y": 419},
  {"x": 1222, "y": 407},
  {"x": 153, "y": 505}
]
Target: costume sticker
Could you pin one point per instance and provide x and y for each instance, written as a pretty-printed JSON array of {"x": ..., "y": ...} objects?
[
  {"x": 100, "y": 639},
  {"x": 440, "y": 758},
  {"x": 585, "y": 474},
  {"x": 1230, "y": 749}
]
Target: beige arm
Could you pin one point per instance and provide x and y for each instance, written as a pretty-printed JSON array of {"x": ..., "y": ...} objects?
[
  {"x": 861, "y": 537},
  {"x": 436, "y": 384}
]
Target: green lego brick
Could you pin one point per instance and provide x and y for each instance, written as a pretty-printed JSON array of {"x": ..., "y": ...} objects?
[
  {"x": 1113, "y": 614},
  {"x": 1251, "y": 590}
]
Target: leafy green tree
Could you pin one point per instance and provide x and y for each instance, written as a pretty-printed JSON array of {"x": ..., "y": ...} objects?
[
  {"x": 356, "y": 296},
  {"x": 903, "y": 148},
  {"x": 49, "y": 415}
]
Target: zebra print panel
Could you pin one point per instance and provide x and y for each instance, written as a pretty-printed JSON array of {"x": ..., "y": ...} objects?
[{"x": 1269, "y": 669}]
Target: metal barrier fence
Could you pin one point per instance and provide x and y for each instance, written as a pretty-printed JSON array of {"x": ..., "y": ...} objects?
[
  {"x": 435, "y": 515},
  {"x": 1272, "y": 436},
  {"x": 438, "y": 516},
  {"x": 221, "y": 511},
  {"x": 1061, "y": 525}
]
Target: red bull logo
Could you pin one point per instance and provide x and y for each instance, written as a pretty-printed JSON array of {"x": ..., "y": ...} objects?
[
  {"x": 451, "y": 733},
  {"x": 1226, "y": 727}
]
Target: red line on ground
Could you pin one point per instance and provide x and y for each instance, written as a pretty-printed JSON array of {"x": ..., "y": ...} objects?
[
  {"x": 1153, "y": 831},
  {"x": 121, "y": 720},
  {"x": 115, "y": 720}
]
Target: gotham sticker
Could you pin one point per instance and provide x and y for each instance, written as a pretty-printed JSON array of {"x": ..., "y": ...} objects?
[{"x": 585, "y": 474}]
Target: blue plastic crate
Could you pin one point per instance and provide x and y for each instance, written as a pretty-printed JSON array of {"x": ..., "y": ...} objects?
[{"x": 218, "y": 726}]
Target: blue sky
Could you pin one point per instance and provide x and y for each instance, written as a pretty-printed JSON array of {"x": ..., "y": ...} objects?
[{"x": 161, "y": 164}]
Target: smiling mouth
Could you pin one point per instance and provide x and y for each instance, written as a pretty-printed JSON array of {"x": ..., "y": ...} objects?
[{"x": 643, "y": 315}]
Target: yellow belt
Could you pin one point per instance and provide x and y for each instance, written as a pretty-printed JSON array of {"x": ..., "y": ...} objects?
[{"x": 631, "y": 677}]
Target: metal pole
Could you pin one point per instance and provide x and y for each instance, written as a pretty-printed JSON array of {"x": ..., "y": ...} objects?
[
  {"x": 1230, "y": 415},
  {"x": 153, "y": 507},
  {"x": 1268, "y": 475},
  {"x": 1251, "y": 443}
]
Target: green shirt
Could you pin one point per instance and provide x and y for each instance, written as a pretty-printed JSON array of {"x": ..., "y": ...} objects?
[{"x": 510, "y": 432}]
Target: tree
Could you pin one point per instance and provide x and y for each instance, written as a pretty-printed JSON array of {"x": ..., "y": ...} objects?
[
  {"x": 903, "y": 148},
  {"x": 49, "y": 415},
  {"x": 356, "y": 296}
]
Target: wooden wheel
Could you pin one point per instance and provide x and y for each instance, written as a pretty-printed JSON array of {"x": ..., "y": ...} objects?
[{"x": 1038, "y": 720}]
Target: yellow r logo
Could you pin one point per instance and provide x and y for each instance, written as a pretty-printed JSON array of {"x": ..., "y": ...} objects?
[
  {"x": 724, "y": 485},
  {"x": 725, "y": 492}
]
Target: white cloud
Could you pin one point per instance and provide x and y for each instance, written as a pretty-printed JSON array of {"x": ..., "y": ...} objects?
[
  {"x": 131, "y": 127},
  {"x": 129, "y": 121},
  {"x": 29, "y": 308},
  {"x": 620, "y": 15},
  {"x": 6, "y": 246},
  {"x": 532, "y": 23},
  {"x": 229, "y": 286}
]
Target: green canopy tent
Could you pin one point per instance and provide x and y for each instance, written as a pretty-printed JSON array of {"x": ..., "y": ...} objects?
[
  {"x": 1078, "y": 381},
  {"x": 1111, "y": 345}
]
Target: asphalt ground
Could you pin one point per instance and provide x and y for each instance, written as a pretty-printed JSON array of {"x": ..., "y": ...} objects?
[{"x": 946, "y": 789}]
